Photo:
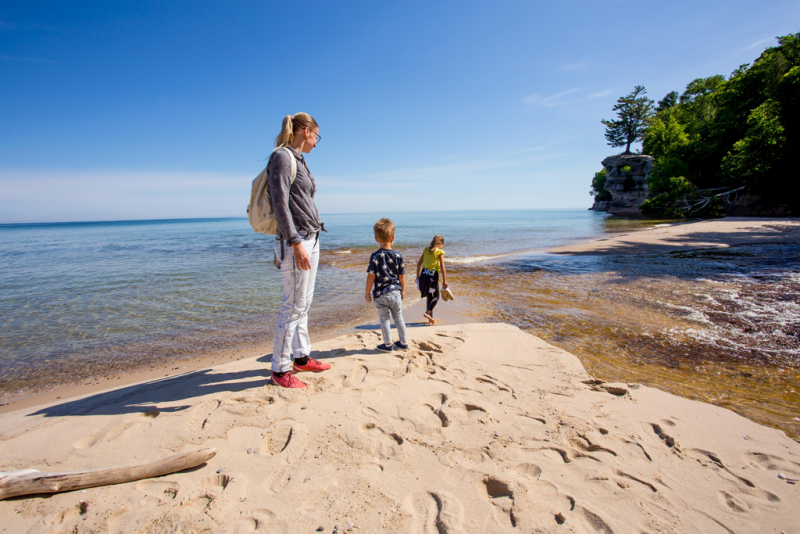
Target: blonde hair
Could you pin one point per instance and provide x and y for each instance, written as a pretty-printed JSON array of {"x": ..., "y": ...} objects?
[
  {"x": 436, "y": 242},
  {"x": 290, "y": 125},
  {"x": 384, "y": 230}
]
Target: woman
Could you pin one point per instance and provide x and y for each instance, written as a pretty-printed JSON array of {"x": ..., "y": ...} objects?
[{"x": 296, "y": 247}]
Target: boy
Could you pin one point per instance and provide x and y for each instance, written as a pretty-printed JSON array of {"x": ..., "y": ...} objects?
[{"x": 388, "y": 275}]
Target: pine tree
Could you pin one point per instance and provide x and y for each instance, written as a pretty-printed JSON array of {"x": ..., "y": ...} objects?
[{"x": 633, "y": 111}]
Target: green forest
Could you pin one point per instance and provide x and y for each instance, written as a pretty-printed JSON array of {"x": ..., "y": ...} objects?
[{"x": 722, "y": 137}]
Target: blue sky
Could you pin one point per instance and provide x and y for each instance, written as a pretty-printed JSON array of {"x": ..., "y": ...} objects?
[{"x": 136, "y": 110}]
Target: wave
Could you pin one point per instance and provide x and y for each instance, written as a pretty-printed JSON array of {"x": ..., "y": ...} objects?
[{"x": 465, "y": 260}]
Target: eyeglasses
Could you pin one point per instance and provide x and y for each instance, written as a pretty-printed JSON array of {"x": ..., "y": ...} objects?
[{"x": 319, "y": 137}]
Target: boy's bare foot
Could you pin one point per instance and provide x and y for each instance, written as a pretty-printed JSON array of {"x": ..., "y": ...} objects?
[{"x": 431, "y": 320}]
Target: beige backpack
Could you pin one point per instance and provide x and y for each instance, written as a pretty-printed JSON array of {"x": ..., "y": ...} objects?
[{"x": 260, "y": 213}]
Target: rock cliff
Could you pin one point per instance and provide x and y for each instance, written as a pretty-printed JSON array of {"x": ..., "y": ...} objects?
[
  {"x": 626, "y": 180},
  {"x": 601, "y": 205}
]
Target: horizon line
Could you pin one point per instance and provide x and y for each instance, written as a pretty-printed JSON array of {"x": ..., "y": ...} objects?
[{"x": 190, "y": 219}]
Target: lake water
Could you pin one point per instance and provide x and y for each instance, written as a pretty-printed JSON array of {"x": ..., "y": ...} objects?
[{"x": 81, "y": 300}]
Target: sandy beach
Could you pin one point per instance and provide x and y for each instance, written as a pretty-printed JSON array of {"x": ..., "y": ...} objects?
[
  {"x": 477, "y": 428},
  {"x": 716, "y": 233}
]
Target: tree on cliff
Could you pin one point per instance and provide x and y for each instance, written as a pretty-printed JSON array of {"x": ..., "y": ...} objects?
[
  {"x": 727, "y": 135},
  {"x": 633, "y": 112},
  {"x": 668, "y": 101}
]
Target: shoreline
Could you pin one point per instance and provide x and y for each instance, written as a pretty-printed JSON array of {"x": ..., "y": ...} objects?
[
  {"x": 452, "y": 313},
  {"x": 679, "y": 236},
  {"x": 690, "y": 235}
]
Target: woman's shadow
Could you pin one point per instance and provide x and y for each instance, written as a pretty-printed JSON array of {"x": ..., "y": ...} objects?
[{"x": 147, "y": 396}]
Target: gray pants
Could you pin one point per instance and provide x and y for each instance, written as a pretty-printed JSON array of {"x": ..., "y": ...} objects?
[
  {"x": 291, "y": 331},
  {"x": 391, "y": 303}
]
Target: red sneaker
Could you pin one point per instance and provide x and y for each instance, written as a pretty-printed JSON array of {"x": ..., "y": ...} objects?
[
  {"x": 287, "y": 381},
  {"x": 313, "y": 365}
]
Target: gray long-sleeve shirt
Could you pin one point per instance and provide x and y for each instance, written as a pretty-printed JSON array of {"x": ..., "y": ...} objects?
[{"x": 293, "y": 206}]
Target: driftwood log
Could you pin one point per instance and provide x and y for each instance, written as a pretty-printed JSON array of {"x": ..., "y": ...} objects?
[{"x": 30, "y": 481}]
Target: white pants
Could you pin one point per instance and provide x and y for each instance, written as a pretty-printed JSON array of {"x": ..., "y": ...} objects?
[{"x": 291, "y": 331}]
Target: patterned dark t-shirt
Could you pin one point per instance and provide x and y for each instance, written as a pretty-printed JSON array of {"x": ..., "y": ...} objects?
[{"x": 387, "y": 266}]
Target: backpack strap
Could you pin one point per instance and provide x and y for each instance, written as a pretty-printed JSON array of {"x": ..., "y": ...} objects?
[
  {"x": 293, "y": 161},
  {"x": 293, "y": 175}
]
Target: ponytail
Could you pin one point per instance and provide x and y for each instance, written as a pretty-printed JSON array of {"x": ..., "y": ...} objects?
[
  {"x": 436, "y": 242},
  {"x": 290, "y": 125},
  {"x": 286, "y": 136}
]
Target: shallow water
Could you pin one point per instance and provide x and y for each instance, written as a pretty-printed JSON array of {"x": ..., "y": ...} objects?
[
  {"x": 85, "y": 300},
  {"x": 79, "y": 300},
  {"x": 719, "y": 326}
]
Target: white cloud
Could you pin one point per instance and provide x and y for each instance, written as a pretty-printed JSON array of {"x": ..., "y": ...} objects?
[
  {"x": 580, "y": 65},
  {"x": 558, "y": 99},
  {"x": 601, "y": 94},
  {"x": 547, "y": 101},
  {"x": 759, "y": 43}
]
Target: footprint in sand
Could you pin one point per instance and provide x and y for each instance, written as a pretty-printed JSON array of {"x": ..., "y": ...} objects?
[
  {"x": 435, "y": 512},
  {"x": 592, "y": 442},
  {"x": 200, "y": 414},
  {"x": 760, "y": 460},
  {"x": 594, "y": 521},
  {"x": 355, "y": 376},
  {"x": 430, "y": 346},
  {"x": 249, "y": 405},
  {"x": 554, "y": 454},
  {"x": 495, "y": 384},
  {"x": 638, "y": 450},
  {"x": 467, "y": 413},
  {"x": 624, "y": 477},
  {"x": 658, "y": 430},
  {"x": 254, "y": 521},
  {"x": 528, "y": 470},
  {"x": 320, "y": 500},
  {"x": 162, "y": 490},
  {"x": 452, "y": 335},
  {"x": 369, "y": 469},
  {"x": 375, "y": 441},
  {"x": 214, "y": 496},
  {"x": 114, "y": 433},
  {"x": 500, "y": 494},
  {"x": 287, "y": 439},
  {"x": 288, "y": 442}
]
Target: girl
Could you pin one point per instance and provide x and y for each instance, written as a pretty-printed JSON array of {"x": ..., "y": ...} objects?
[
  {"x": 298, "y": 227},
  {"x": 431, "y": 264}
]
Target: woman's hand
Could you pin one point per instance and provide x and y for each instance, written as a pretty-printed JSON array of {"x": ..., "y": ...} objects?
[
  {"x": 301, "y": 258},
  {"x": 445, "y": 285}
]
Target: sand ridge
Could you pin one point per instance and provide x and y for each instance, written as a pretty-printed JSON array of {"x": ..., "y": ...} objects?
[{"x": 477, "y": 428}]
